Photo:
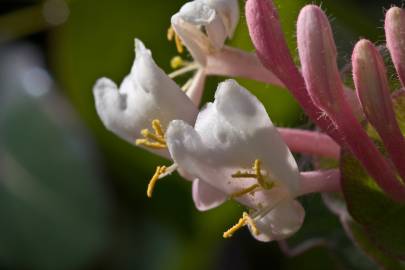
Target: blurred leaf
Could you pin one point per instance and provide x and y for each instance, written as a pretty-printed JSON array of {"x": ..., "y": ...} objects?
[
  {"x": 53, "y": 208},
  {"x": 382, "y": 219},
  {"x": 368, "y": 247}
]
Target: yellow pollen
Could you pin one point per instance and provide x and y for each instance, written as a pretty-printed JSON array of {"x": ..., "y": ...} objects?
[
  {"x": 177, "y": 62},
  {"x": 257, "y": 174},
  {"x": 157, "y": 127},
  {"x": 154, "y": 140},
  {"x": 152, "y": 183},
  {"x": 245, "y": 191},
  {"x": 243, "y": 221},
  {"x": 171, "y": 34}
]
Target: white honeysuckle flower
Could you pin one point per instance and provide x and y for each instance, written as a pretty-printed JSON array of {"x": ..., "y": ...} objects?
[
  {"x": 146, "y": 94},
  {"x": 230, "y": 135},
  {"x": 204, "y": 25}
]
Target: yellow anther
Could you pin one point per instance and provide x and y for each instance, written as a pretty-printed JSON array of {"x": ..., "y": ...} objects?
[
  {"x": 177, "y": 62},
  {"x": 157, "y": 127},
  {"x": 257, "y": 174},
  {"x": 179, "y": 44},
  {"x": 251, "y": 223},
  {"x": 245, "y": 191},
  {"x": 172, "y": 34},
  {"x": 152, "y": 183},
  {"x": 153, "y": 140},
  {"x": 155, "y": 145},
  {"x": 243, "y": 221}
]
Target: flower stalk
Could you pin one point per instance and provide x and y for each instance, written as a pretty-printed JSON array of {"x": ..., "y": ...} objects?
[{"x": 317, "y": 52}]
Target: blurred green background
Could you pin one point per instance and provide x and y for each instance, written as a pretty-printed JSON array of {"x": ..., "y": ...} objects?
[{"x": 72, "y": 195}]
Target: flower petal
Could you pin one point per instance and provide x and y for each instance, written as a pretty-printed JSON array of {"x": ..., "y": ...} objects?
[
  {"x": 147, "y": 93},
  {"x": 282, "y": 222},
  {"x": 218, "y": 18},
  {"x": 196, "y": 42},
  {"x": 206, "y": 196},
  {"x": 238, "y": 124},
  {"x": 229, "y": 135},
  {"x": 228, "y": 10}
]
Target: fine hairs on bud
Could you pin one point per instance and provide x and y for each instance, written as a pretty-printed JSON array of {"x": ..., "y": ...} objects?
[
  {"x": 372, "y": 87},
  {"x": 318, "y": 56},
  {"x": 371, "y": 83}
]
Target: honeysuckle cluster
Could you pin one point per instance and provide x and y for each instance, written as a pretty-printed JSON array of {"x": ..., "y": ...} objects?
[{"x": 230, "y": 148}]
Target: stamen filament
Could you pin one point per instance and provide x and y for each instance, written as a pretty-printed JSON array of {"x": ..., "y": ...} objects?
[
  {"x": 169, "y": 170},
  {"x": 145, "y": 142},
  {"x": 251, "y": 223},
  {"x": 187, "y": 85},
  {"x": 257, "y": 175},
  {"x": 245, "y": 191},
  {"x": 244, "y": 220},
  {"x": 152, "y": 183},
  {"x": 152, "y": 136},
  {"x": 181, "y": 71}
]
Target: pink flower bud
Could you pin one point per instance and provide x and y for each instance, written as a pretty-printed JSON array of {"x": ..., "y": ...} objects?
[
  {"x": 271, "y": 48},
  {"x": 268, "y": 38},
  {"x": 395, "y": 34},
  {"x": 372, "y": 87},
  {"x": 318, "y": 55}
]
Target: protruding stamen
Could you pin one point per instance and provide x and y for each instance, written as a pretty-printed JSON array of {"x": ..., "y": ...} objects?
[
  {"x": 153, "y": 140},
  {"x": 152, "y": 183},
  {"x": 243, "y": 221},
  {"x": 157, "y": 127},
  {"x": 155, "y": 145},
  {"x": 171, "y": 34},
  {"x": 251, "y": 223},
  {"x": 245, "y": 191},
  {"x": 257, "y": 174}
]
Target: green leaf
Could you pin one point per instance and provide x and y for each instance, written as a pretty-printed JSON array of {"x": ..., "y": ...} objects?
[
  {"x": 382, "y": 219},
  {"x": 364, "y": 242}
]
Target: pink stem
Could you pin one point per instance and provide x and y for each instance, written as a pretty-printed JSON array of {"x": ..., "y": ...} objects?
[
  {"x": 238, "y": 63},
  {"x": 367, "y": 153},
  {"x": 320, "y": 181},
  {"x": 268, "y": 38},
  {"x": 310, "y": 142}
]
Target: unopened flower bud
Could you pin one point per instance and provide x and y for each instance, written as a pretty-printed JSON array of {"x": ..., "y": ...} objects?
[
  {"x": 395, "y": 34},
  {"x": 371, "y": 83},
  {"x": 318, "y": 55},
  {"x": 372, "y": 87}
]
